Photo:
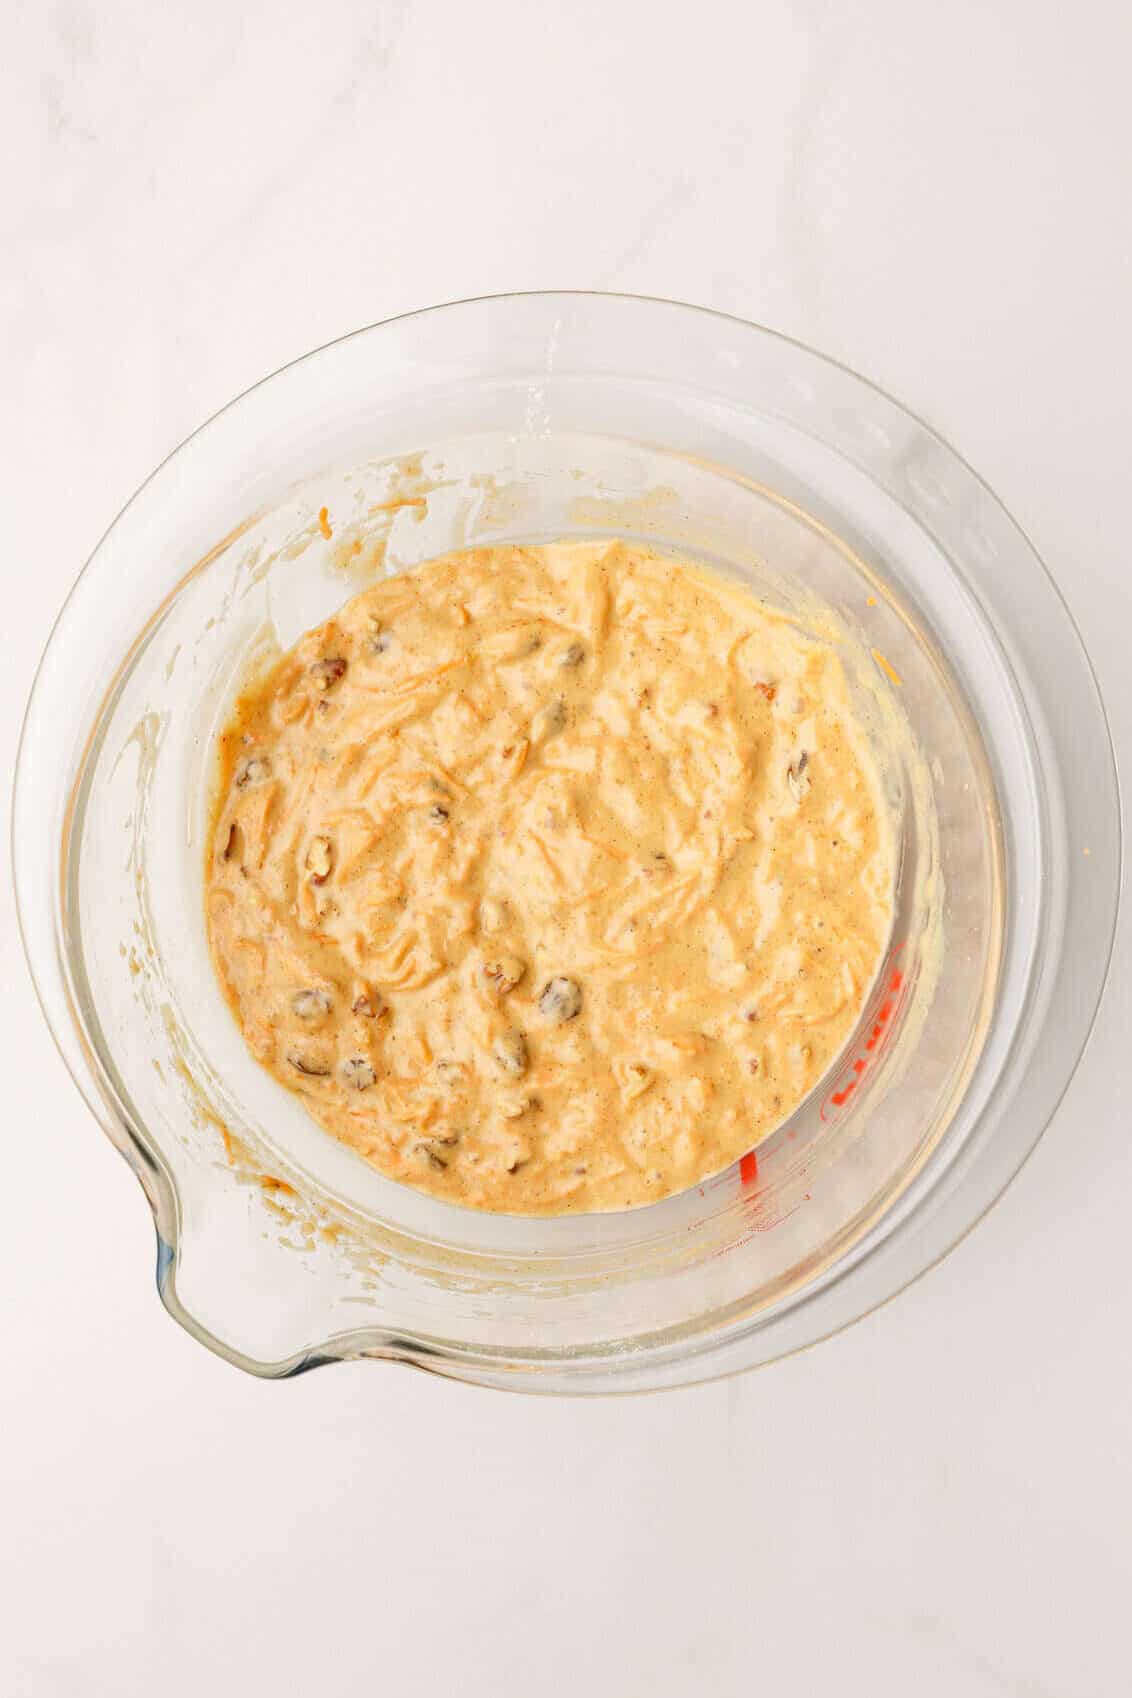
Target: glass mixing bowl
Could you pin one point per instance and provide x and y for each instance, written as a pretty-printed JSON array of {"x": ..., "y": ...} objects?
[{"x": 535, "y": 417}]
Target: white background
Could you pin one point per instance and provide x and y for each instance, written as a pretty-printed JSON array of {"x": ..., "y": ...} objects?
[{"x": 937, "y": 1502}]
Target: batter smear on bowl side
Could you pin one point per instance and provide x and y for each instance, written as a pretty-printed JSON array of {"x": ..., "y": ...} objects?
[{"x": 552, "y": 879}]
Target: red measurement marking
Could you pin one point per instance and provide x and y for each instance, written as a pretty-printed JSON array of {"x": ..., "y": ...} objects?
[
  {"x": 749, "y": 1169},
  {"x": 874, "y": 1042}
]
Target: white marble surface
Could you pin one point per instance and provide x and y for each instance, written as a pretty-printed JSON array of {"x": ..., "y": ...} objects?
[{"x": 938, "y": 1501}]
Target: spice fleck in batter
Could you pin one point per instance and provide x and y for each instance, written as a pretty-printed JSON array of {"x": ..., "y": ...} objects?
[{"x": 553, "y": 878}]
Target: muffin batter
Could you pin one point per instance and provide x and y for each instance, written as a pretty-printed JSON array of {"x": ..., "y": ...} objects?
[{"x": 551, "y": 879}]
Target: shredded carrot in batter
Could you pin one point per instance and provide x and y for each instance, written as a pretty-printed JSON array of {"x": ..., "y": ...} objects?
[{"x": 408, "y": 913}]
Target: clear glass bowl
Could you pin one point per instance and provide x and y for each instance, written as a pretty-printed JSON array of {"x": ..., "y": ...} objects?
[{"x": 535, "y": 417}]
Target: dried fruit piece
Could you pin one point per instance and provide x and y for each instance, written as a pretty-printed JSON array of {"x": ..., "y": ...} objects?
[
  {"x": 510, "y": 1053},
  {"x": 312, "y": 1004},
  {"x": 254, "y": 770},
  {"x": 234, "y": 843},
  {"x": 797, "y": 778},
  {"x": 357, "y": 1073},
  {"x": 560, "y": 1000},
  {"x": 437, "y": 814},
  {"x": 320, "y": 859},
  {"x": 769, "y": 691},
  {"x": 310, "y": 1066},
  {"x": 503, "y": 973},
  {"x": 431, "y": 1149},
  {"x": 326, "y": 673}
]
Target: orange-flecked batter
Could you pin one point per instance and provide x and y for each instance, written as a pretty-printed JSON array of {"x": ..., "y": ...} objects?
[{"x": 551, "y": 878}]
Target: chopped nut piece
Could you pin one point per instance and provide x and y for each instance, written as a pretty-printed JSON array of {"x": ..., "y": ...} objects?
[
  {"x": 549, "y": 720},
  {"x": 326, "y": 673},
  {"x": 252, "y": 771},
  {"x": 320, "y": 859},
  {"x": 503, "y": 973},
  {"x": 358, "y": 1073},
  {"x": 493, "y": 915},
  {"x": 312, "y": 1004},
  {"x": 635, "y": 1079},
  {"x": 510, "y": 1053},
  {"x": 314, "y": 1069},
  {"x": 560, "y": 1000},
  {"x": 513, "y": 1108}
]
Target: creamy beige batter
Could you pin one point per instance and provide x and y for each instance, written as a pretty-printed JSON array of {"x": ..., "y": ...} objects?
[{"x": 552, "y": 879}]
